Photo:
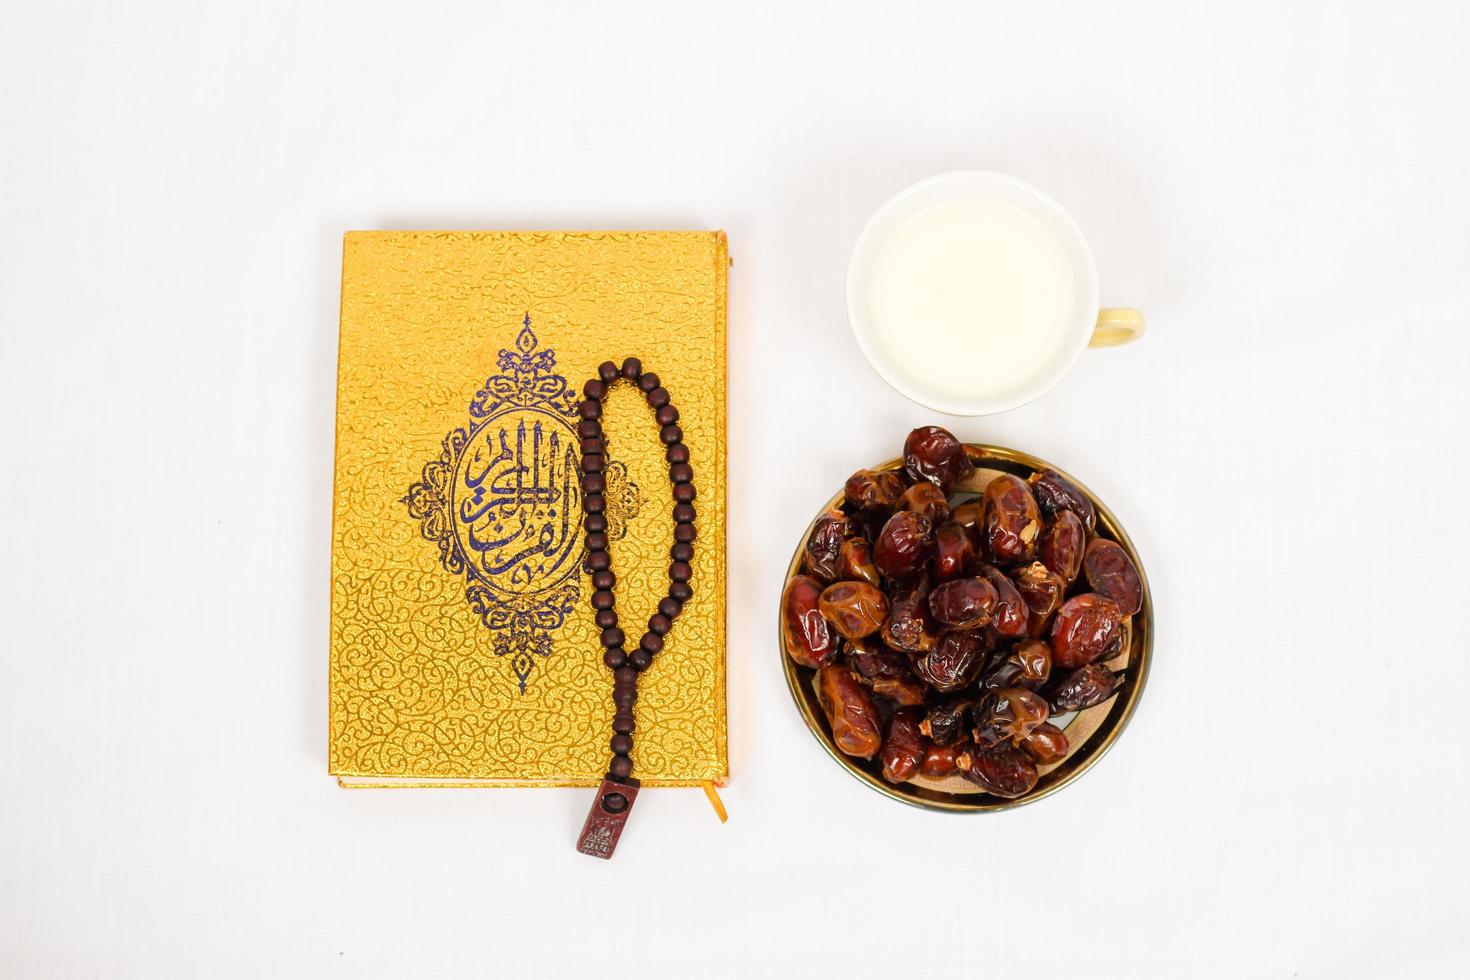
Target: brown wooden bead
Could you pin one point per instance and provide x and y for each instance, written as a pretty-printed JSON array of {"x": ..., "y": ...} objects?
[
  {"x": 589, "y": 429},
  {"x": 667, "y": 415},
  {"x": 658, "y": 397},
  {"x": 648, "y": 381},
  {"x": 684, "y": 493},
  {"x": 677, "y": 453},
  {"x": 606, "y": 618},
  {"x": 602, "y": 599},
  {"x": 681, "y": 591},
  {"x": 624, "y": 723},
  {"x": 594, "y": 504},
  {"x": 682, "y": 551},
  {"x": 640, "y": 659},
  {"x": 593, "y": 463},
  {"x": 607, "y": 371},
  {"x": 614, "y": 658},
  {"x": 632, "y": 368},
  {"x": 670, "y": 434},
  {"x": 594, "y": 483},
  {"x": 623, "y": 697},
  {"x": 670, "y": 607},
  {"x": 681, "y": 472},
  {"x": 680, "y": 571},
  {"x": 604, "y": 579},
  {"x": 651, "y": 642},
  {"x": 599, "y": 561},
  {"x": 597, "y": 542},
  {"x": 595, "y": 523},
  {"x": 621, "y": 743},
  {"x": 659, "y": 623},
  {"x": 612, "y": 637},
  {"x": 594, "y": 389},
  {"x": 621, "y": 767},
  {"x": 592, "y": 444},
  {"x": 626, "y": 676},
  {"x": 685, "y": 533},
  {"x": 684, "y": 513},
  {"x": 590, "y": 409}
]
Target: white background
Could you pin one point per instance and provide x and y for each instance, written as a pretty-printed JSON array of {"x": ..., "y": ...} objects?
[{"x": 1281, "y": 188}]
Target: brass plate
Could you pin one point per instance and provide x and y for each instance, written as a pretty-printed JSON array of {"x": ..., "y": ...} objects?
[{"x": 1090, "y": 733}]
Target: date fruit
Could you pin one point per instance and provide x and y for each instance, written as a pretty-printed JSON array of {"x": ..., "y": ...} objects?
[
  {"x": 908, "y": 626},
  {"x": 904, "y": 546},
  {"x": 1043, "y": 590},
  {"x": 926, "y": 499},
  {"x": 903, "y": 749},
  {"x": 855, "y": 562},
  {"x": 856, "y": 609},
  {"x": 850, "y": 712},
  {"x": 1055, "y": 493},
  {"x": 945, "y": 722},
  {"x": 1009, "y": 714},
  {"x": 1012, "y": 521},
  {"x": 1000, "y": 769},
  {"x": 1083, "y": 688},
  {"x": 1088, "y": 629},
  {"x": 933, "y": 454},
  {"x": 939, "y": 760},
  {"x": 874, "y": 489},
  {"x": 953, "y": 550},
  {"x": 810, "y": 640},
  {"x": 954, "y": 662},
  {"x": 824, "y": 545},
  {"x": 1111, "y": 573},
  {"x": 1062, "y": 545},
  {"x": 1046, "y": 744},
  {"x": 966, "y": 603},
  {"x": 1012, "y": 615},
  {"x": 1027, "y": 664}
]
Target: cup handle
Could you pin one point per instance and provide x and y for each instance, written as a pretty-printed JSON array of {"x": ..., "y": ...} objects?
[{"x": 1116, "y": 326}]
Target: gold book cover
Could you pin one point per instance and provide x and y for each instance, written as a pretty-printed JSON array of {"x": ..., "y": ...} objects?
[{"x": 463, "y": 647}]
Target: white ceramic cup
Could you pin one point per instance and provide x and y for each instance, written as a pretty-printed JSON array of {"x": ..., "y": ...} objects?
[{"x": 1092, "y": 327}]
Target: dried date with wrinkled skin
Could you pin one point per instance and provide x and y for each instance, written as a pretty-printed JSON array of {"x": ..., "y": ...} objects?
[
  {"x": 1046, "y": 744},
  {"x": 1111, "y": 573},
  {"x": 926, "y": 499},
  {"x": 850, "y": 712},
  {"x": 906, "y": 690},
  {"x": 908, "y": 626},
  {"x": 870, "y": 657},
  {"x": 856, "y": 609},
  {"x": 1027, "y": 664},
  {"x": 874, "y": 489},
  {"x": 966, "y": 603},
  {"x": 953, "y": 551},
  {"x": 933, "y": 454},
  {"x": 945, "y": 722},
  {"x": 1012, "y": 615},
  {"x": 1062, "y": 545},
  {"x": 810, "y": 640},
  {"x": 954, "y": 662},
  {"x": 939, "y": 760},
  {"x": 1009, "y": 714},
  {"x": 855, "y": 562},
  {"x": 1001, "y": 769},
  {"x": 1055, "y": 493},
  {"x": 903, "y": 748},
  {"x": 904, "y": 546},
  {"x": 1088, "y": 629},
  {"x": 823, "y": 547},
  {"x": 970, "y": 515},
  {"x": 1043, "y": 590},
  {"x": 1012, "y": 521},
  {"x": 1083, "y": 688}
]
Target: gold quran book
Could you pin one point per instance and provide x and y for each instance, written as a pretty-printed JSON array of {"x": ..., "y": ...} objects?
[{"x": 463, "y": 647}]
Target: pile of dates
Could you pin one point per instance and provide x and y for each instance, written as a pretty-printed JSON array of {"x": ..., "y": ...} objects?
[{"x": 946, "y": 628}]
